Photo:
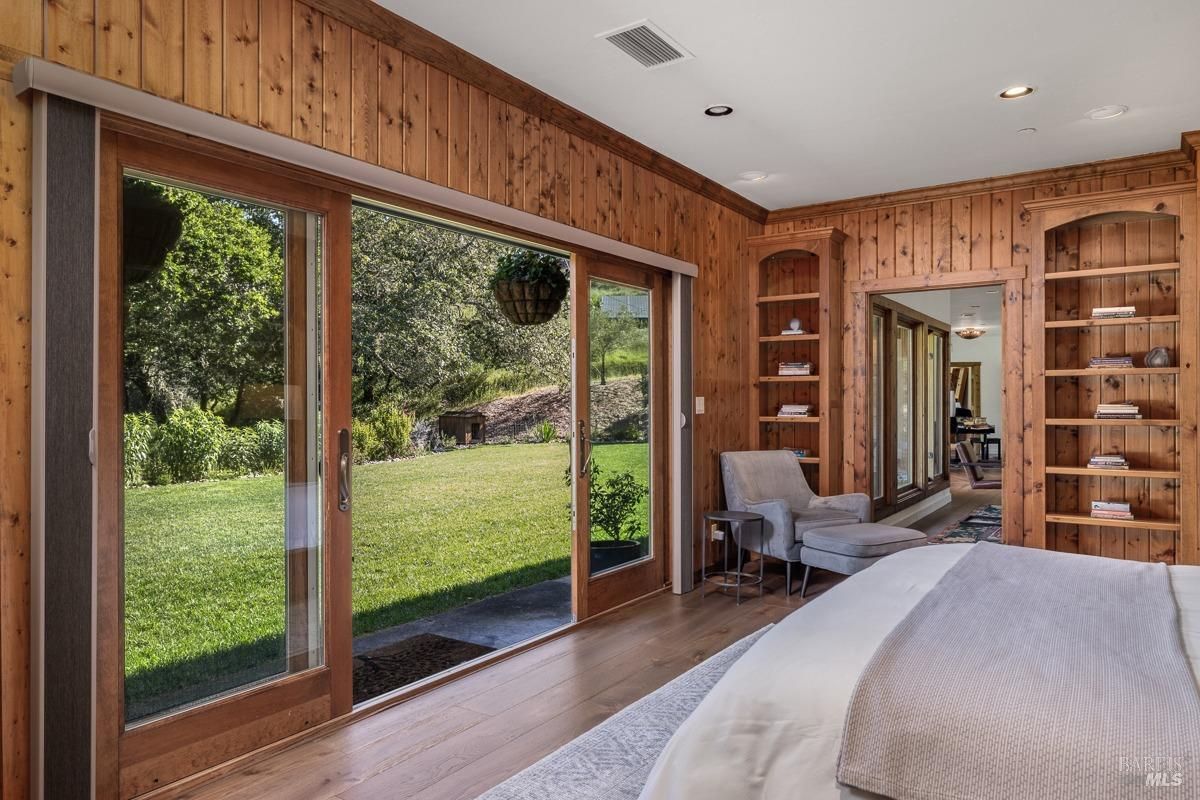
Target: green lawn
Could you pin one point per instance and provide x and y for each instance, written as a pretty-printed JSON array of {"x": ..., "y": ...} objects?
[{"x": 204, "y": 561}]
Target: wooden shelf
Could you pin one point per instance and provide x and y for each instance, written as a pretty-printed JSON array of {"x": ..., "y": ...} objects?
[
  {"x": 1132, "y": 423},
  {"x": 789, "y": 378},
  {"x": 789, "y": 298},
  {"x": 1155, "y": 474},
  {"x": 795, "y": 337},
  {"x": 1085, "y": 519},
  {"x": 1108, "y": 272},
  {"x": 1091, "y": 372},
  {"x": 1097, "y": 323},
  {"x": 792, "y": 420}
]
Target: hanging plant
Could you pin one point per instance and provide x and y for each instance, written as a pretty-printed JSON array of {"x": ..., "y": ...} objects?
[{"x": 530, "y": 286}]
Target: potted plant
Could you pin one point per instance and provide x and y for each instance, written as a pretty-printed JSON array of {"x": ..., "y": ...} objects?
[
  {"x": 613, "y": 504},
  {"x": 530, "y": 286}
]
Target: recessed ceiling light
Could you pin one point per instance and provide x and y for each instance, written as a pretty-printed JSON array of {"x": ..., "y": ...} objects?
[
  {"x": 1106, "y": 112},
  {"x": 754, "y": 176},
  {"x": 1013, "y": 92},
  {"x": 719, "y": 110}
]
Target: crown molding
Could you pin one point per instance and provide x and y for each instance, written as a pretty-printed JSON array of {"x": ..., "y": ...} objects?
[{"x": 1115, "y": 166}]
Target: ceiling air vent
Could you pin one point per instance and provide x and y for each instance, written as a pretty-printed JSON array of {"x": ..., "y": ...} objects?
[{"x": 647, "y": 44}]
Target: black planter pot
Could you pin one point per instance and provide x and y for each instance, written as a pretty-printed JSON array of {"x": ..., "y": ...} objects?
[
  {"x": 607, "y": 554},
  {"x": 528, "y": 303}
]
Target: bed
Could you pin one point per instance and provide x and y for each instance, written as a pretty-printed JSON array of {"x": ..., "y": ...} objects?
[{"x": 772, "y": 727}]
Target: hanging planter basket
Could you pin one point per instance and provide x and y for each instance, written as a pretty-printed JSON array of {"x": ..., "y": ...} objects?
[
  {"x": 529, "y": 286},
  {"x": 528, "y": 302}
]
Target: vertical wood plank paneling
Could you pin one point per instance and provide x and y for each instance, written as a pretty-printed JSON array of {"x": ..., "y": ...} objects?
[
  {"x": 514, "y": 157},
  {"x": 416, "y": 121},
  {"x": 364, "y": 114},
  {"x": 15, "y": 287},
  {"x": 275, "y": 66},
  {"x": 337, "y": 87},
  {"x": 162, "y": 48},
  {"x": 885, "y": 235},
  {"x": 437, "y": 159},
  {"x": 922, "y": 238},
  {"x": 478, "y": 141},
  {"x": 241, "y": 72},
  {"x": 587, "y": 180},
  {"x": 960, "y": 228},
  {"x": 70, "y": 33},
  {"x": 308, "y": 92},
  {"x": 868, "y": 244},
  {"x": 391, "y": 107},
  {"x": 981, "y": 232},
  {"x": 458, "y": 131},
  {"x": 203, "y": 83},
  {"x": 905, "y": 260},
  {"x": 549, "y": 188},
  {"x": 562, "y": 176},
  {"x": 118, "y": 41},
  {"x": 497, "y": 150},
  {"x": 1001, "y": 230},
  {"x": 23, "y": 28},
  {"x": 535, "y": 201}
]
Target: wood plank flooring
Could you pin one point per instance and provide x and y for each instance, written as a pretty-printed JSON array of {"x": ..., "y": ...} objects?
[
  {"x": 963, "y": 500},
  {"x": 462, "y": 738}
]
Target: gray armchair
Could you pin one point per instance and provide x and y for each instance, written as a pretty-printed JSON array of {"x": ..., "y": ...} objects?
[{"x": 771, "y": 483}]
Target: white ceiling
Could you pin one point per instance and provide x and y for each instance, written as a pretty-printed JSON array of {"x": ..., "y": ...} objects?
[
  {"x": 972, "y": 307},
  {"x": 842, "y": 99}
]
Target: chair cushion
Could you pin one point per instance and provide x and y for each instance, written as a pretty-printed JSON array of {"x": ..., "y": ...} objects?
[
  {"x": 816, "y": 518},
  {"x": 863, "y": 540}
]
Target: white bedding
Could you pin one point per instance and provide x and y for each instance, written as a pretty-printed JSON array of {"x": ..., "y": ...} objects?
[{"x": 771, "y": 728}]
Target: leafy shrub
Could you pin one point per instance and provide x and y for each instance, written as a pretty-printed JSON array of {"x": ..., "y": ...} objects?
[
  {"x": 139, "y": 438},
  {"x": 188, "y": 444},
  {"x": 393, "y": 427},
  {"x": 545, "y": 432},
  {"x": 239, "y": 451},
  {"x": 613, "y": 503},
  {"x": 364, "y": 441},
  {"x": 270, "y": 445}
]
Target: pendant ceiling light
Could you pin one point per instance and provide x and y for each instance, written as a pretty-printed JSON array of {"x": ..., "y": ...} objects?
[{"x": 970, "y": 333}]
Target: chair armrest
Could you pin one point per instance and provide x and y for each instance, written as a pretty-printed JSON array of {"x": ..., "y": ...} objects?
[
  {"x": 778, "y": 529},
  {"x": 855, "y": 503}
]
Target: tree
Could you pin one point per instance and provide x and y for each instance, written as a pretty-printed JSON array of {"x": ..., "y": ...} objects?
[
  {"x": 209, "y": 321},
  {"x": 607, "y": 333}
]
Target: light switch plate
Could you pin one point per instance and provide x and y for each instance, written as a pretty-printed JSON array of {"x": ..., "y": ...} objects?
[{"x": 699, "y": 405}]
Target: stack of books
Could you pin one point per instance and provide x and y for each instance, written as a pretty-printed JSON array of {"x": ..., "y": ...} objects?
[
  {"x": 1110, "y": 362},
  {"x": 795, "y": 368},
  {"x": 1108, "y": 462},
  {"x": 1118, "y": 411},
  {"x": 1102, "y": 509},
  {"x": 795, "y": 410},
  {"x": 1113, "y": 312},
  {"x": 793, "y": 332}
]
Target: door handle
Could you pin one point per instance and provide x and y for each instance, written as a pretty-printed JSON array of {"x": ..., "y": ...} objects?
[
  {"x": 585, "y": 450},
  {"x": 343, "y": 470}
]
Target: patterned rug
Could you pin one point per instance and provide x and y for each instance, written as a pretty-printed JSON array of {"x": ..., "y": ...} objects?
[
  {"x": 409, "y": 660},
  {"x": 981, "y": 525},
  {"x": 613, "y": 760}
]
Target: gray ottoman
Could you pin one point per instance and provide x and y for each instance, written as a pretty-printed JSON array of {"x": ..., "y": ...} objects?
[{"x": 847, "y": 549}]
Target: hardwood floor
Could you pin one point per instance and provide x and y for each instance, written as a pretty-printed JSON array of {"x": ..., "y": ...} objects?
[
  {"x": 462, "y": 738},
  {"x": 963, "y": 501}
]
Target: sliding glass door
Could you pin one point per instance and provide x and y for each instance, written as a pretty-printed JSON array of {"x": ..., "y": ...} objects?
[
  {"x": 620, "y": 369},
  {"x": 222, "y": 559}
]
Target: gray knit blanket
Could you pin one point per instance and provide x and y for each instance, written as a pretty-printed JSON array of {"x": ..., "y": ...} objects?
[{"x": 1030, "y": 674}]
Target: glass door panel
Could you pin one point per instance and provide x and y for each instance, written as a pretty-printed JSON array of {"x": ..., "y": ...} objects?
[
  {"x": 878, "y": 429},
  {"x": 619, "y": 412},
  {"x": 905, "y": 411}
]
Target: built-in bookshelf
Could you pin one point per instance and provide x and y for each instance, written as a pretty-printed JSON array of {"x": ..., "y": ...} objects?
[
  {"x": 798, "y": 276},
  {"x": 1114, "y": 277}
]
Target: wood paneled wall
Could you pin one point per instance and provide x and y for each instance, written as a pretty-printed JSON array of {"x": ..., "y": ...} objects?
[
  {"x": 338, "y": 75},
  {"x": 959, "y": 234}
]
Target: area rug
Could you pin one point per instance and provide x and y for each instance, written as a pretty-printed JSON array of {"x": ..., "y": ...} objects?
[
  {"x": 981, "y": 525},
  {"x": 409, "y": 660},
  {"x": 613, "y": 760}
]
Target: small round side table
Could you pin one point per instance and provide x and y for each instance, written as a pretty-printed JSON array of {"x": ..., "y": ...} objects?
[{"x": 727, "y": 578}]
